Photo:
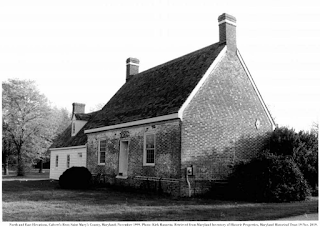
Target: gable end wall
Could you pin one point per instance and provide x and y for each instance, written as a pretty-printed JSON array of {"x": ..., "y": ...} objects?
[{"x": 219, "y": 125}]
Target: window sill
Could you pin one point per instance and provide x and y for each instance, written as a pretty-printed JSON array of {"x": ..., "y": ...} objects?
[
  {"x": 146, "y": 164},
  {"x": 121, "y": 177}
]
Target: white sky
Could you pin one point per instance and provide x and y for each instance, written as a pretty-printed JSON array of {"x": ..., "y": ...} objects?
[{"x": 76, "y": 50}]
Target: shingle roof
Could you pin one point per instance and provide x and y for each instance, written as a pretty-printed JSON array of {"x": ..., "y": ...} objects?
[
  {"x": 84, "y": 116},
  {"x": 158, "y": 91}
]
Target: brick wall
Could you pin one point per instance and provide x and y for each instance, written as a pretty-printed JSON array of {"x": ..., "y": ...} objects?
[
  {"x": 167, "y": 156},
  {"x": 219, "y": 125}
]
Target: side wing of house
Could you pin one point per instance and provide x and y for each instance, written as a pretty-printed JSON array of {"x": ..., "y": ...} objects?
[
  {"x": 62, "y": 159},
  {"x": 69, "y": 148}
]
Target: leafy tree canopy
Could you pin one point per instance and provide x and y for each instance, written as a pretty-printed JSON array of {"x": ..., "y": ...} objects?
[{"x": 29, "y": 123}]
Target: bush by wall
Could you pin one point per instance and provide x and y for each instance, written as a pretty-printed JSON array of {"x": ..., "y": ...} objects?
[
  {"x": 306, "y": 157},
  {"x": 75, "y": 178},
  {"x": 302, "y": 147},
  {"x": 268, "y": 178}
]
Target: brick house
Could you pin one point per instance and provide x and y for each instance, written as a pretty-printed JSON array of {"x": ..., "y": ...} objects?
[{"x": 178, "y": 126}]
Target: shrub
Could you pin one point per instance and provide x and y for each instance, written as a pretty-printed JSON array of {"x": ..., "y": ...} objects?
[
  {"x": 282, "y": 141},
  {"x": 306, "y": 157},
  {"x": 75, "y": 178},
  {"x": 268, "y": 178},
  {"x": 302, "y": 147}
]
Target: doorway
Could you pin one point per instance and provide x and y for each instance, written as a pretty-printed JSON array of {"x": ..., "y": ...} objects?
[{"x": 123, "y": 158}]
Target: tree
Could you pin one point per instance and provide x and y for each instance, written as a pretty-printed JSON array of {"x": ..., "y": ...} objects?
[
  {"x": 7, "y": 148},
  {"x": 97, "y": 107},
  {"x": 25, "y": 112},
  {"x": 315, "y": 128},
  {"x": 306, "y": 157},
  {"x": 57, "y": 121}
]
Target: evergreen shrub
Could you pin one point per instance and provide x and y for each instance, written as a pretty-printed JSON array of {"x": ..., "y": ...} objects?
[
  {"x": 75, "y": 178},
  {"x": 268, "y": 178}
]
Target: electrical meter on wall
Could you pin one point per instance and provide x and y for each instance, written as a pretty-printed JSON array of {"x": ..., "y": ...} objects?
[{"x": 190, "y": 171}]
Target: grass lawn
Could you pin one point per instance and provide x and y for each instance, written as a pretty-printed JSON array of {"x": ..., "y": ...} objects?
[
  {"x": 43, "y": 200},
  {"x": 32, "y": 174}
]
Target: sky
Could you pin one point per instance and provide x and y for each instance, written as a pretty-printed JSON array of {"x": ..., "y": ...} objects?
[{"x": 76, "y": 50}]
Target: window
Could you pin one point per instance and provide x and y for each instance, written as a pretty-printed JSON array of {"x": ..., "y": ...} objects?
[
  {"x": 102, "y": 152},
  {"x": 73, "y": 128},
  {"x": 149, "y": 149},
  {"x": 68, "y": 161},
  {"x": 57, "y": 160}
]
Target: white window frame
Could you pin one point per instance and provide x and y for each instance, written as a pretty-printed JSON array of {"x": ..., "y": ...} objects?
[
  {"x": 145, "y": 149},
  {"x": 99, "y": 152},
  {"x": 57, "y": 160},
  {"x": 68, "y": 160}
]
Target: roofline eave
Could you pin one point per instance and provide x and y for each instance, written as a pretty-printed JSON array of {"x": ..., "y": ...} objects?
[
  {"x": 257, "y": 90},
  {"x": 134, "y": 123},
  {"x": 68, "y": 148},
  {"x": 202, "y": 81}
]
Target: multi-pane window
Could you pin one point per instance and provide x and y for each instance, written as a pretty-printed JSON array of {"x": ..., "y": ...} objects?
[
  {"x": 68, "y": 161},
  {"x": 102, "y": 151},
  {"x": 149, "y": 150},
  {"x": 57, "y": 160}
]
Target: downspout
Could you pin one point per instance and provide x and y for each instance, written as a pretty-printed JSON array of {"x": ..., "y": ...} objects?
[{"x": 189, "y": 186}]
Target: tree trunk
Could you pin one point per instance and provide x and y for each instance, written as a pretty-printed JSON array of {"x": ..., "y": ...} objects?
[
  {"x": 41, "y": 166},
  {"x": 5, "y": 166},
  {"x": 21, "y": 168},
  {"x": 5, "y": 154}
]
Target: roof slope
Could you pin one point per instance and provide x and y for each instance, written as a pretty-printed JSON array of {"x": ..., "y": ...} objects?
[
  {"x": 83, "y": 116},
  {"x": 159, "y": 91}
]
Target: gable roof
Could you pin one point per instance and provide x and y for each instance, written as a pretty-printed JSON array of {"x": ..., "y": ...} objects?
[
  {"x": 159, "y": 91},
  {"x": 66, "y": 140}
]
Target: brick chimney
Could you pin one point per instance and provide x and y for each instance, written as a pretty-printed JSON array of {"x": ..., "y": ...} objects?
[
  {"x": 132, "y": 67},
  {"x": 77, "y": 108},
  {"x": 227, "y": 31}
]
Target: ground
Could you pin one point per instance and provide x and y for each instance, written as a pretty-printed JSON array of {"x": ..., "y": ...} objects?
[{"x": 42, "y": 200}]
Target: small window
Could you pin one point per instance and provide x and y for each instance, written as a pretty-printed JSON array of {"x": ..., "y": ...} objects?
[
  {"x": 57, "y": 160},
  {"x": 102, "y": 152},
  {"x": 149, "y": 149},
  {"x": 73, "y": 127},
  {"x": 68, "y": 161}
]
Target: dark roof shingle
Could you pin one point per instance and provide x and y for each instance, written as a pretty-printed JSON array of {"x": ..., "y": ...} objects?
[{"x": 84, "y": 116}]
